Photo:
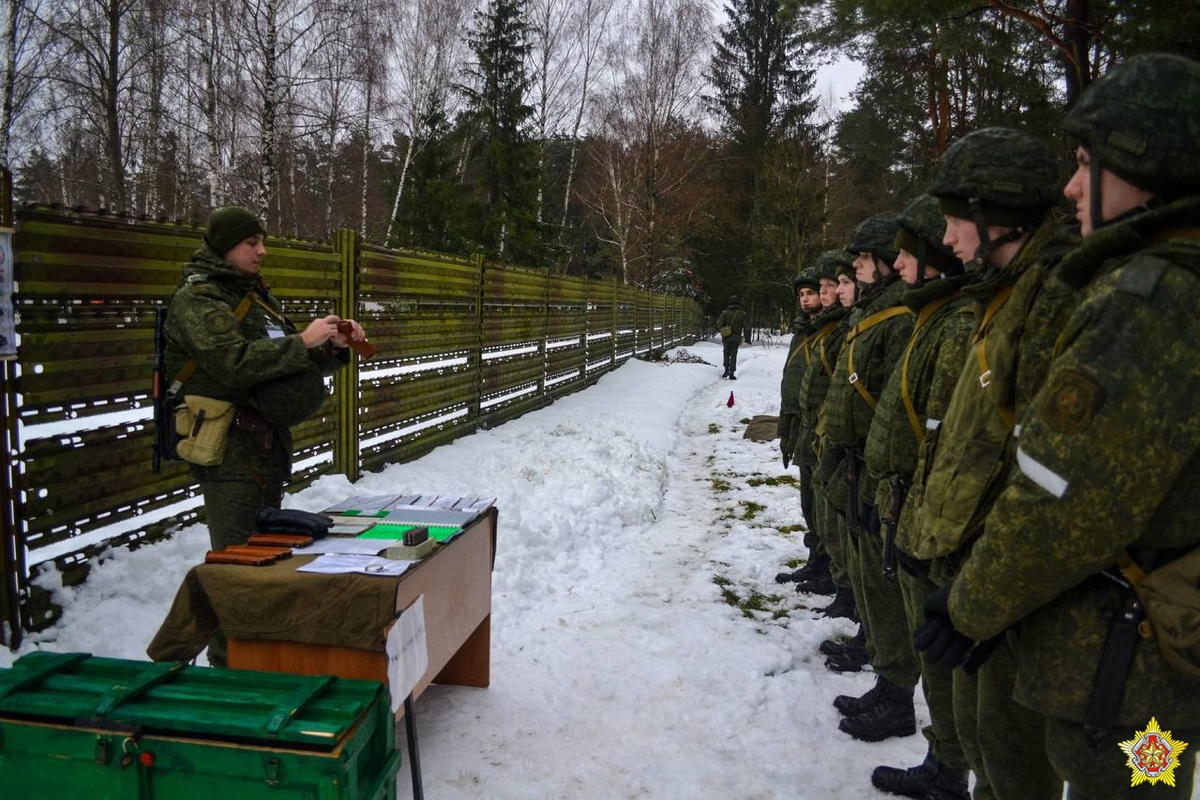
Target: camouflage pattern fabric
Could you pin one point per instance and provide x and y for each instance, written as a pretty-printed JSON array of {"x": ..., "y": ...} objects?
[
  {"x": 789, "y": 385},
  {"x": 734, "y": 316},
  {"x": 832, "y": 326},
  {"x": 1109, "y": 460},
  {"x": 1003, "y": 167},
  {"x": 881, "y": 608},
  {"x": 235, "y": 359},
  {"x": 877, "y": 351},
  {"x": 971, "y": 452},
  {"x": 1138, "y": 134},
  {"x": 876, "y": 235}
]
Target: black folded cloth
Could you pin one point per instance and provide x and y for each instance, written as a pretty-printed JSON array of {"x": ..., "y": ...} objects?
[{"x": 292, "y": 520}]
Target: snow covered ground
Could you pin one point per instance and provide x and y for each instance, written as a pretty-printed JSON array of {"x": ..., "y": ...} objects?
[{"x": 633, "y": 515}]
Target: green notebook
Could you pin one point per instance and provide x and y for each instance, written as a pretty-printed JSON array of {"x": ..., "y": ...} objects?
[{"x": 382, "y": 530}]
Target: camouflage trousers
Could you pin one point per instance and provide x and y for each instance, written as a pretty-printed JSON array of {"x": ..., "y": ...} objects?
[
  {"x": 729, "y": 349},
  {"x": 937, "y": 683},
  {"x": 1004, "y": 742},
  {"x": 832, "y": 539},
  {"x": 808, "y": 509},
  {"x": 881, "y": 608},
  {"x": 1108, "y": 777},
  {"x": 229, "y": 509}
]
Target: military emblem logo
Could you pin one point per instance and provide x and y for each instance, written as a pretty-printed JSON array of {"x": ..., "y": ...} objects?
[
  {"x": 1152, "y": 755},
  {"x": 1072, "y": 402}
]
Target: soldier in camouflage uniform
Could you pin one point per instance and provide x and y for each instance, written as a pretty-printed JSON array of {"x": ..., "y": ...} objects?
[
  {"x": 996, "y": 187},
  {"x": 1108, "y": 459},
  {"x": 828, "y": 479},
  {"x": 880, "y": 328},
  {"x": 918, "y": 392},
  {"x": 272, "y": 372},
  {"x": 806, "y": 287},
  {"x": 814, "y": 575},
  {"x": 732, "y": 318}
]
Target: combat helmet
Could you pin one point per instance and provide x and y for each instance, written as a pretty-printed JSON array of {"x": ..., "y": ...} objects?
[
  {"x": 876, "y": 235},
  {"x": 997, "y": 176},
  {"x": 1138, "y": 122},
  {"x": 922, "y": 227},
  {"x": 806, "y": 277}
]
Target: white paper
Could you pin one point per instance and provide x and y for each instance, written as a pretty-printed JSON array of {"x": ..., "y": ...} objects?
[
  {"x": 336, "y": 564},
  {"x": 347, "y": 547},
  {"x": 408, "y": 658}
]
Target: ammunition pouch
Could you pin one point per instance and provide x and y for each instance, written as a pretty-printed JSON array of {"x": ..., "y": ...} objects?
[
  {"x": 202, "y": 424},
  {"x": 1170, "y": 596},
  {"x": 726, "y": 332}
]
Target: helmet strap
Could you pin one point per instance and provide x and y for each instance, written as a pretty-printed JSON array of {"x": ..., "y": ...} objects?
[
  {"x": 1094, "y": 198},
  {"x": 987, "y": 246}
]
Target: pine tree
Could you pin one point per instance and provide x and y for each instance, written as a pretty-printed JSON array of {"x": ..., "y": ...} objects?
[{"x": 496, "y": 98}]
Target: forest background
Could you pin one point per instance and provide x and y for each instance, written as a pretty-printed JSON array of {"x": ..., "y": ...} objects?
[{"x": 679, "y": 146}]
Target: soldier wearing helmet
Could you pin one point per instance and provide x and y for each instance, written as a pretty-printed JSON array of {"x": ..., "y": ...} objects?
[
  {"x": 820, "y": 350},
  {"x": 806, "y": 287},
  {"x": 917, "y": 393},
  {"x": 1107, "y": 483},
  {"x": 995, "y": 187}
]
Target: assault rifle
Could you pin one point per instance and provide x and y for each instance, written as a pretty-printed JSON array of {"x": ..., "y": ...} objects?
[{"x": 163, "y": 397}]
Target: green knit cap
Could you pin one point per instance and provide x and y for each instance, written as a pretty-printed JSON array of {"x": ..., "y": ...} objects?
[{"x": 230, "y": 226}]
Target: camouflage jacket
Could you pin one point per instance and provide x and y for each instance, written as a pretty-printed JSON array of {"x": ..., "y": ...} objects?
[
  {"x": 871, "y": 351},
  {"x": 799, "y": 354},
  {"x": 832, "y": 326},
  {"x": 236, "y": 359},
  {"x": 1020, "y": 311},
  {"x": 734, "y": 317},
  {"x": 919, "y": 388},
  {"x": 1108, "y": 462}
]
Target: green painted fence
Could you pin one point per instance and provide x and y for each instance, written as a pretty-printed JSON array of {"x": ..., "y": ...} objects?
[{"x": 463, "y": 345}]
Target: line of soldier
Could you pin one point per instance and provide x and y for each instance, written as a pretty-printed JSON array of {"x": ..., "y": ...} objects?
[{"x": 993, "y": 409}]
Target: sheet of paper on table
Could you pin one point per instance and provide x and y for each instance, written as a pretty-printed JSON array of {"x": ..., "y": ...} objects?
[
  {"x": 407, "y": 652},
  {"x": 347, "y": 547},
  {"x": 338, "y": 564}
]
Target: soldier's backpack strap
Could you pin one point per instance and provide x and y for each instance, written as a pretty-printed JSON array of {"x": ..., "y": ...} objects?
[
  {"x": 190, "y": 367},
  {"x": 922, "y": 319},
  {"x": 820, "y": 342},
  {"x": 985, "y": 371},
  {"x": 851, "y": 339}
]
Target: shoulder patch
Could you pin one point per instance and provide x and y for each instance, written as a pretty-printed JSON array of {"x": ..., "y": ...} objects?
[
  {"x": 1070, "y": 401},
  {"x": 1141, "y": 278},
  {"x": 220, "y": 321}
]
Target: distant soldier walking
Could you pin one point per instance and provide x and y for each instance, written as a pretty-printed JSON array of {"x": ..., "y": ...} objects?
[{"x": 730, "y": 323}]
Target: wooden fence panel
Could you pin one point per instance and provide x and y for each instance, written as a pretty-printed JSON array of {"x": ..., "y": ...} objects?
[{"x": 462, "y": 344}]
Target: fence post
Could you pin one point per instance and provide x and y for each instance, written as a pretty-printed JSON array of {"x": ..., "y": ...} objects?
[
  {"x": 476, "y": 406},
  {"x": 345, "y": 381}
]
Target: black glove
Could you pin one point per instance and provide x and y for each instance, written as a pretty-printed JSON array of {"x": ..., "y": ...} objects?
[
  {"x": 941, "y": 644},
  {"x": 292, "y": 520},
  {"x": 982, "y": 652}
]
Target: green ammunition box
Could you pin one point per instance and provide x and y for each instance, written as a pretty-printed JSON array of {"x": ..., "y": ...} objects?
[{"x": 76, "y": 726}]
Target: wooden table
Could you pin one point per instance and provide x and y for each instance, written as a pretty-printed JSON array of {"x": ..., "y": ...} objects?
[{"x": 456, "y": 580}]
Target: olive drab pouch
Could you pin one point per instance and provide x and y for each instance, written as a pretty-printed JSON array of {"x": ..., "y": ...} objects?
[
  {"x": 203, "y": 427},
  {"x": 1170, "y": 596},
  {"x": 726, "y": 332},
  {"x": 957, "y": 496}
]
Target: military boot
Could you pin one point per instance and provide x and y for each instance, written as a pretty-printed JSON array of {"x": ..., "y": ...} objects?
[
  {"x": 911, "y": 782},
  {"x": 842, "y": 606},
  {"x": 852, "y": 706},
  {"x": 811, "y": 569},
  {"x": 948, "y": 784},
  {"x": 892, "y": 715},
  {"x": 834, "y": 647},
  {"x": 821, "y": 584},
  {"x": 853, "y": 659}
]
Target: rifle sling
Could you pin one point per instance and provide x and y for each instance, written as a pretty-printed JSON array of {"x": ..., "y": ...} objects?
[{"x": 239, "y": 313}]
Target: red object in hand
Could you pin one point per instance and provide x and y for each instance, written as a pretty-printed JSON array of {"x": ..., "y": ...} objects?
[
  {"x": 730, "y": 402},
  {"x": 363, "y": 348}
]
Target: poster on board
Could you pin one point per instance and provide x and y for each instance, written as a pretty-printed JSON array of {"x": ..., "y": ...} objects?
[{"x": 8, "y": 327}]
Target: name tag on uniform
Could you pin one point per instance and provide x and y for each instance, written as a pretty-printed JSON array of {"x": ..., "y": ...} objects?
[{"x": 275, "y": 330}]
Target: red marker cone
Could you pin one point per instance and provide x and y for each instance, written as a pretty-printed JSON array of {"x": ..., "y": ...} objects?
[{"x": 729, "y": 403}]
